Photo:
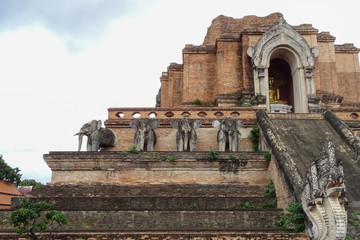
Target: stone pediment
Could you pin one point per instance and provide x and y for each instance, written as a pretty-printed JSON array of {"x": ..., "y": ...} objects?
[{"x": 282, "y": 35}]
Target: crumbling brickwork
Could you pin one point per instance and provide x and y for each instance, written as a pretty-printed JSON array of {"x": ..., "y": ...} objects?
[{"x": 221, "y": 64}]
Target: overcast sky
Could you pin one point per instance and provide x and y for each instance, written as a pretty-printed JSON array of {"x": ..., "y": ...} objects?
[{"x": 64, "y": 62}]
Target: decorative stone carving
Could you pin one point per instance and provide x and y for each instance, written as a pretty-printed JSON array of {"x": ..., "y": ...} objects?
[
  {"x": 186, "y": 135},
  {"x": 329, "y": 98},
  {"x": 258, "y": 99},
  {"x": 228, "y": 133},
  {"x": 282, "y": 41},
  {"x": 144, "y": 135},
  {"x": 280, "y": 34},
  {"x": 98, "y": 137},
  {"x": 323, "y": 197},
  {"x": 280, "y": 108},
  {"x": 313, "y": 104}
]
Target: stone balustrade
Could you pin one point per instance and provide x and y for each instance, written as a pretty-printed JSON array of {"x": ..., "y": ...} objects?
[{"x": 117, "y": 115}]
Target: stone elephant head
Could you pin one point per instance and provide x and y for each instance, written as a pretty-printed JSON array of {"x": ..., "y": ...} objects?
[
  {"x": 228, "y": 133},
  {"x": 144, "y": 134},
  {"x": 98, "y": 137},
  {"x": 186, "y": 134}
]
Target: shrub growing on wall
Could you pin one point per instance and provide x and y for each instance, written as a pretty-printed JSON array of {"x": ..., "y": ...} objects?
[
  {"x": 9, "y": 174},
  {"x": 254, "y": 137},
  {"x": 33, "y": 218}
]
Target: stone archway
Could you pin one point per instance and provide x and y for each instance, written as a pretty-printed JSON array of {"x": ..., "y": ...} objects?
[{"x": 283, "y": 42}]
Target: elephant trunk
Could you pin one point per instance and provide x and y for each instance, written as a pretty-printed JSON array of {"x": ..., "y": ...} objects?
[
  {"x": 186, "y": 140},
  {"x": 80, "y": 141},
  {"x": 230, "y": 142}
]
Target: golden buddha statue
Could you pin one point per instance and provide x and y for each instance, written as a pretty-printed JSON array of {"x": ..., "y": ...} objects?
[{"x": 274, "y": 91}]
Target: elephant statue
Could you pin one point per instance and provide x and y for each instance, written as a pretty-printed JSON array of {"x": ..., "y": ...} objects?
[
  {"x": 144, "y": 134},
  {"x": 228, "y": 133},
  {"x": 98, "y": 137},
  {"x": 186, "y": 134}
]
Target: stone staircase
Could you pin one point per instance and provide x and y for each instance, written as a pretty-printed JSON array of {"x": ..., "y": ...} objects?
[
  {"x": 167, "y": 210},
  {"x": 165, "y": 207}
]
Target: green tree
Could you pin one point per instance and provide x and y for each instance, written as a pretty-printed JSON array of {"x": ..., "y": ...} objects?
[
  {"x": 33, "y": 218},
  {"x": 9, "y": 174},
  {"x": 30, "y": 182}
]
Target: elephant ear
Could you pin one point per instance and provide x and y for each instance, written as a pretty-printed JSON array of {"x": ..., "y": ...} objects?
[
  {"x": 197, "y": 124},
  {"x": 154, "y": 124},
  {"x": 239, "y": 124},
  {"x": 134, "y": 123},
  {"x": 174, "y": 124},
  {"x": 216, "y": 124}
]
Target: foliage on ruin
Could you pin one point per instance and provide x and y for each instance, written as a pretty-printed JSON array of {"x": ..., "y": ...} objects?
[
  {"x": 241, "y": 102},
  {"x": 355, "y": 220},
  {"x": 9, "y": 174},
  {"x": 33, "y": 218},
  {"x": 213, "y": 154},
  {"x": 267, "y": 156},
  {"x": 354, "y": 224},
  {"x": 293, "y": 219},
  {"x": 133, "y": 149},
  {"x": 254, "y": 137},
  {"x": 197, "y": 102},
  {"x": 30, "y": 182},
  {"x": 270, "y": 189}
]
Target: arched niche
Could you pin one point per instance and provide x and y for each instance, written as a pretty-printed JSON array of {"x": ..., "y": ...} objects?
[{"x": 281, "y": 41}]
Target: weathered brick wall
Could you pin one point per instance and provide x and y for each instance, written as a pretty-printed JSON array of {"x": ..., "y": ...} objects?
[
  {"x": 228, "y": 25},
  {"x": 156, "y": 167},
  {"x": 282, "y": 192},
  {"x": 154, "y": 203},
  {"x": 199, "y": 80},
  {"x": 169, "y": 219},
  {"x": 164, "y": 79},
  {"x": 149, "y": 190},
  {"x": 326, "y": 78},
  {"x": 223, "y": 235},
  {"x": 228, "y": 66},
  {"x": 347, "y": 65},
  {"x": 247, "y": 69},
  {"x": 221, "y": 65},
  {"x": 175, "y": 72},
  {"x": 166, "y": 135}
]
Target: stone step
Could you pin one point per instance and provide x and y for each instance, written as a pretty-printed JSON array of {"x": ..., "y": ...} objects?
[
  {"x": 165, "y": 220},
  {"x": 265, "y": 234},
  {"x": 154, "y": 222},
  {"x": 250, "y": 220},
  {"x": 150, "y": 190},
  {"x": 160, "y": 203}
]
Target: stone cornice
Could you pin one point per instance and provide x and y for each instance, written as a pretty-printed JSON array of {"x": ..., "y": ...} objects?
[
  {"x": 325, "y": 37},
  {"x": 189, "y": 48},
  {"x": 346, "y": 48}
]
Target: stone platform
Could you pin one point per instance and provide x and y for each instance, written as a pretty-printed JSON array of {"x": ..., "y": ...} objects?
[
  {"x": 128, "y": 168},
  {"x": 162, "y": 211}
]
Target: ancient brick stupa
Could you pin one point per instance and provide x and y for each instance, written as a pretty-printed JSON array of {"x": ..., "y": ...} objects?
[{"x": 258, "y": 100}]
